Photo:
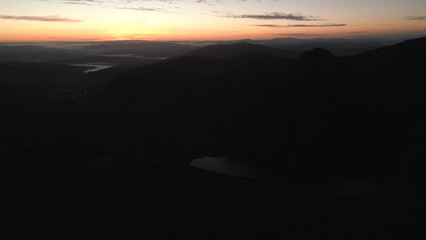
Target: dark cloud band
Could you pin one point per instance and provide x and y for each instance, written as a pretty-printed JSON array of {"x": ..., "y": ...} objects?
[
  {"x": 416, "y": 18},
  {"x": 301, "y": 25},
  {"x": 277, "y": 16}
]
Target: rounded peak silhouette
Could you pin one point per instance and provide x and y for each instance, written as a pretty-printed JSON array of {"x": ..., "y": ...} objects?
[{"x": 317, "y": 54}]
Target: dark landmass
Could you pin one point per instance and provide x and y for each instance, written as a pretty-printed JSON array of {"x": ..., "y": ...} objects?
[
  {"x": 237, "y": 49},
  {"x": 36, "y": 54},
  {"x": 337, "y": 46},
  {"x": 106, "y": 154},
  {"x": 272, "y": 108},
  {"x": 120, "y": 53},
  {"x": 144, "y": 48}
]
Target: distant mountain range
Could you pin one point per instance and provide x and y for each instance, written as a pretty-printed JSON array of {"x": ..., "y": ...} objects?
[
  {"x": 86, "y": 51},
  {"x": 240, "y": 48},
  {"x": 32, "y": 54}
]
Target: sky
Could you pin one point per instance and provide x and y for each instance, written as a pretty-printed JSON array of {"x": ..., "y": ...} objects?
[{"x": 182, "y": 20}]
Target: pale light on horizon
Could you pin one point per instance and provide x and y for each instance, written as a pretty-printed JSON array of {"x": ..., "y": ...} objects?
[{"x": 84, "y": 20}]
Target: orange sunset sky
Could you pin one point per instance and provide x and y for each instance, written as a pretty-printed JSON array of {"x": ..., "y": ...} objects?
[{"x": 101, "y": 20}]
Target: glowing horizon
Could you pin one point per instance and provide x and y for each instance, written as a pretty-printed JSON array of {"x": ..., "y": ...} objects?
[{"x": 181, "y": 20}]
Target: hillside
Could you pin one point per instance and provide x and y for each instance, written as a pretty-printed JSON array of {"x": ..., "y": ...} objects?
[{"x": 286, "y": 113}]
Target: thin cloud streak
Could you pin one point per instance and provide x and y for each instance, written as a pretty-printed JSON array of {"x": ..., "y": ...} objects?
[{"x": 40, "y": 18}]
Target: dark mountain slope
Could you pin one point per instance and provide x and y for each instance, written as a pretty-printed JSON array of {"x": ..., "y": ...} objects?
[
  {"x": 42, "y": 108},
  {"x": 236, "y": 49},
  {"x": 192, "y": 98},
  {"x": 346, "y": 118},
  {"x": 259, "y": 107},
  {"x": 43, "y": 79},
  {"x": 304, "y": 119},
  {"x": 410, "y": 51}
]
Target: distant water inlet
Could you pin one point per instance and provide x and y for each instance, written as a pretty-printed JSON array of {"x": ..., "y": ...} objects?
[
  {"x": 93, "y": 67},
  {"x": 129, "y": 55},
  {"x": 227, "y": 166}
]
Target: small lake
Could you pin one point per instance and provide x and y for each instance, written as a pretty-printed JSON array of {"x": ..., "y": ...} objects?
[{"x": 226, "y": 166}]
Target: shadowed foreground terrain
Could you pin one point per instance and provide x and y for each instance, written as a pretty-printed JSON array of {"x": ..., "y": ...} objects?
[
  {"x": 106, "y": 154},
  {"x": 89, "y": 197}
]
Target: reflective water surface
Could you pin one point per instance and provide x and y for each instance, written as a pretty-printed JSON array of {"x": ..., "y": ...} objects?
[{"x": 227, "y": 166}]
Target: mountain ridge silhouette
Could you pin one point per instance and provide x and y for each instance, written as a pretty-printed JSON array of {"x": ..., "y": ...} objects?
[{"x": 240, "y": 48}]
